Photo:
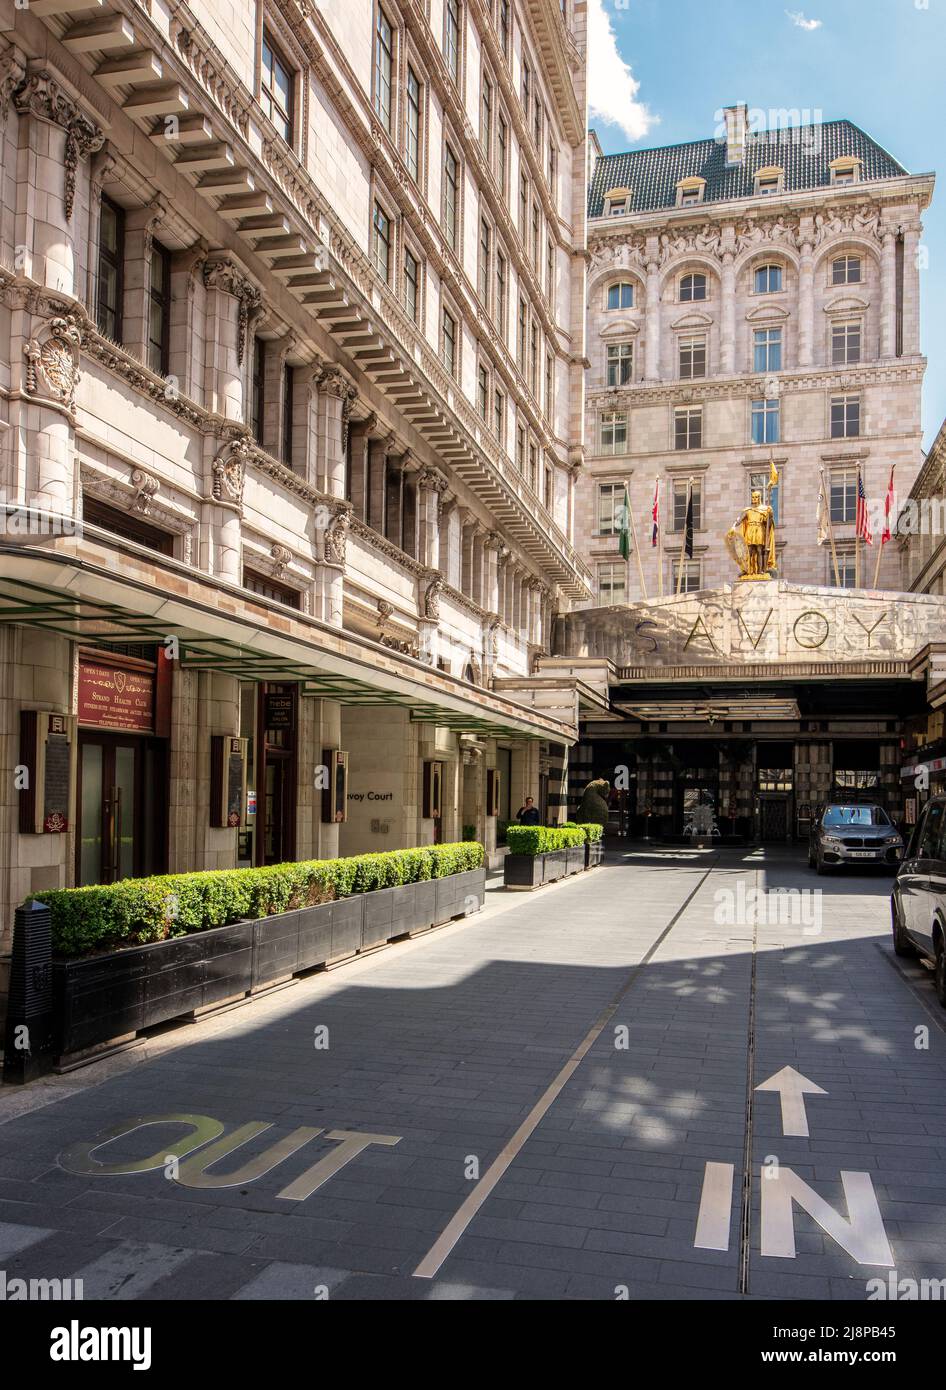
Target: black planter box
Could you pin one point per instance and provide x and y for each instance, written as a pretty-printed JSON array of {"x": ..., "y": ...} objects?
[
  {"x": 109, "y": 996},
  {"x": 555, "y": 865},
  {"x": 523, "y": 871},
  {"x": 575, "y": 859},
  {"x": 594, "y": 853}
]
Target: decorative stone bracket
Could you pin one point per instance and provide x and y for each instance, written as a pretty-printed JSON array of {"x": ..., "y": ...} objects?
[
  {"x": 54, "y": 357},
  {"x": 224, "y": 274},
  {"x": 229, "y": 472},
  {"x": 40, "y": 95}
]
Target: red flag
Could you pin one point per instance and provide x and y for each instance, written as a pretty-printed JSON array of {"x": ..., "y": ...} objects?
[
  {"x": 862, "y": 521},
  {"x": 888, "y": 509},
  {"x": 655, "y": 514}
]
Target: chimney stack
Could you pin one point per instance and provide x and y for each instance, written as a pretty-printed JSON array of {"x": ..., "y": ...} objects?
[{"x": 737, "y": 125}]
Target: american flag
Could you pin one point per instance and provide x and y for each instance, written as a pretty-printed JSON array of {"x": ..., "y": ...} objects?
[
  {"x": 862, "y": 527},
  {"x": 655, "y": 514}
]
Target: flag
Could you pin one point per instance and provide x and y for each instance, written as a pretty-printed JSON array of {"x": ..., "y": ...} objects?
[
  {"x": 862, "y": 520},
  {"x": 688, "y": 527},
  {"x": 655, "y": 514},
  {"x": 773, "y": 474},
  {"x": 888, "y": 509},
  {"x": 824, "y": 531},
  {"x": 773, "y": 488},
  {"x": 624, "y": 541}
]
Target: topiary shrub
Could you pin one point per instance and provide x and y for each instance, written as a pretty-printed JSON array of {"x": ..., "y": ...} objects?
[
  {"x": 594, "y": 804},
  {"x": 137, "y": 911}
]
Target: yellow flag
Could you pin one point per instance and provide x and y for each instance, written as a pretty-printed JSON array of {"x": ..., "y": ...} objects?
[{"x": 773, "y": 474}]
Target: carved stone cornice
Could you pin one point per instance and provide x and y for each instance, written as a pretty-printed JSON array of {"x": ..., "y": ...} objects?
[
  {"x": 817, "y": 379},
  {"x": 393, "y": 552},
  {"x": 40, "y": 95}
]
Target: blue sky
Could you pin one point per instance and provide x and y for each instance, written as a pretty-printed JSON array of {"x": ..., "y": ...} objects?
[{"x": 876, "y": 62}]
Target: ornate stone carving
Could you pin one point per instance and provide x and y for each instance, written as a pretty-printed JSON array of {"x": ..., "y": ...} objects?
[
  {"x": 56, "y": 357},
  {"x": 864, "y": 221},
  {"x": 336, "y": 537},
  {"x": 280, "y": 555},
  {"x": 330, "y": 380},
  {"x": 348, "y": 400},
  {"x": 432, "y": 599},
  {"x": 146, "y": 486},
  {"x": 224, "y": 274},
  {"x": 40, "y": 95},
  {"x": 229, "y": 471},
  {"x": 385, "y": 610}
]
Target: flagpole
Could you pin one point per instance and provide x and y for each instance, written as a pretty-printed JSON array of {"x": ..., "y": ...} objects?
[
  {"x": 660, "y": 568},
  {"x": 683, "y": 542},
  {"x": 857, "y": 532},
  {"x": 640, "y": 562},
  {"x": 886, "y": 525},
  {"x": 834, "y": 550}
]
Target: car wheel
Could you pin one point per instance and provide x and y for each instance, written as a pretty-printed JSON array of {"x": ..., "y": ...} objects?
[
  {"x": 820, "y": 866},
  {"x": 939, "y": 972},
  {"x": 901, "y": 942}
]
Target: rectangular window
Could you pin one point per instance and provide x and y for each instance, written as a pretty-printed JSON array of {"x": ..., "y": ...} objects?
[
  {"x": 845, "y": 417},
  {"x": 610, "y": 508},
  {"x": 536, "y": 224},
  {"x": 766, "y": 422},
  {"x": 612, "y": 431},
  {"x": 159, "y": 309},
  {"x": 680, "y": 505},
  {"x": 111, "y": 269},
  {"x": 768, "y": 187},
  {"x": 277, "y": 89},
  {"x": 549, "y": 385},
  {"x": 523, "y": 209},
  {"x": 847, "y": 569},
  {"x": 612, "y": 584},
  {"x": 451, "y": 49},
  {"x": 411, "y": 285},
  {"x": 843, "y": 497},
  {"x": 482, "y": 390},
  {"x": 688, "y": 427},
  {"x": 550, "y": 271},
  {"x": 258, "y": 396},
  {"x": 620, "y": 363},
  {"x": 383, "y": 64},
  {"x": 128, "y": 525},
  {"x": 501, "y": 275},
  {"x": 412, "y": 127},
  {"x": 269, "y": 588},
  {"x": 521, "y": 448},
  {"x": 692, "y": 358},
  {"x": 499, "y": 416},
  {"x": 552, "y": 164},
  {"x": 502, "y": 153},
  {"x": 382, "y": 243},
  {"x": 486, "y": 117},
  {"x": 534, "y": 358},
  {"x": 767, "y": 350},
  {"x": 533, "y": 466},
  {"x": 846, "y": 270},
  {"x": 451, "y": 189},
  {"x": 448, "y": 352},
  {"x": 288, "y": 383},
  {"x": 845, "y": 344},
  {"x": 537, "y": 125},
  {"x": 548, "y": 494},
  {"x": 521, "y": 341},
  {"x": 526, "y": 88},
  {"x": 484, "y": 265},
  {"x": 768, "y": 279},
  {"x": 504, "y": 28},
  {"x": 692, "y": 579}
]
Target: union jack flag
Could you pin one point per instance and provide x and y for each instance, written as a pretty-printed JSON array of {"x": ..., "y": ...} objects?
[
  {"x": 862, "y": 527},
  {"x": 655, "y": 514}
]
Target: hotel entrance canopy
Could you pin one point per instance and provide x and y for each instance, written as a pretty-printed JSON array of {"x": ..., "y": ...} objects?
[{"x": 76, "y": 590}]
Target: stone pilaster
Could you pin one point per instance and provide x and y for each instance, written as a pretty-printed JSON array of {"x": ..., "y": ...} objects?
[{"x": 233, "y": 304}]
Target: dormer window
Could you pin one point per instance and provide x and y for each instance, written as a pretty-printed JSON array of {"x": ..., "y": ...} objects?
[
  {"x": 845, "y": 170},
  {"x": 621, "y": 295},
  {"x": 617, "y": 201},
  {"x": 690, "y": 192},
  {"x": 769, "y": 182}
]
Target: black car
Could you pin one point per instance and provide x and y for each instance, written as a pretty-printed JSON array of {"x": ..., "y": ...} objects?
[
  {"x": 918, "y": 900},
  {"x": 856, "y": 833}
]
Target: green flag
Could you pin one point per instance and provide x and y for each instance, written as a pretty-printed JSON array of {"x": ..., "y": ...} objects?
[{"x": 624, "y": 544}]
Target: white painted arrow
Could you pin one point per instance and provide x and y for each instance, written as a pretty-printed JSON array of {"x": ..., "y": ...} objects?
[{"x": 792, "y": 1087}]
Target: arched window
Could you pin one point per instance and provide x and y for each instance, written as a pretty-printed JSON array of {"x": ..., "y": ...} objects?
[
  {"x": 621, "y": 295},
  {"x": 846, "y": 270},
  {"x": 768, "y": 279},
  {"x": 692, "y": 287}
]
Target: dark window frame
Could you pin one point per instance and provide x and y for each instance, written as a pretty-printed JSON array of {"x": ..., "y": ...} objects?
[
  {"x": 284, "y": 119},
  {"x": 162, "y": 256},
  {"x": 115, "y": 260}
]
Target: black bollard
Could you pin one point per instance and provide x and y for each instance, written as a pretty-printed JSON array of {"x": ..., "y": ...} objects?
[{"x": 30, "y": 1046}]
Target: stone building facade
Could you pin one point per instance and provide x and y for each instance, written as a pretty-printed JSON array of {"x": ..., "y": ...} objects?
[
  {"x": 752, "y": 299},
  {"x": 291, "y": 407}
]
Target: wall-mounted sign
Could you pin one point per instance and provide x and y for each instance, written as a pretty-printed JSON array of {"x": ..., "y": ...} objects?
[
  {"x": 47, "y": 752},
  {"x": 113, "y": 697},
  {"x": 335, "y": 792},
  {"x": 227, "y": 780},
  {"x": 279, "y": 709}
]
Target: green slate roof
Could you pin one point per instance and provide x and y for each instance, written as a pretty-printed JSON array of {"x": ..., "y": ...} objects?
[{"x": 805, "y": 153}]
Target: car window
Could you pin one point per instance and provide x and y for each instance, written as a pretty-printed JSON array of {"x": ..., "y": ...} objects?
[
  {"x": 932, "y": 834},
  {"x": 855, "y": 815}
]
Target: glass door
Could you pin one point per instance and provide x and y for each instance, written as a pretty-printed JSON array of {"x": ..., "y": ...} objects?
[{"x": 120, "y": 820}]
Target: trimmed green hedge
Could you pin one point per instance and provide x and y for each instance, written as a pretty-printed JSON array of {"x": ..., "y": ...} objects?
[
  {"x": 541, "y": 839},
  {"x": 136, "y": 911},
  {"x": 593, "y": 831}
]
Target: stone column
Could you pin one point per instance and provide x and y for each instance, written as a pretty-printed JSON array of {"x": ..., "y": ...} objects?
[
  {"x": 888, "y": 293},
  {"x": 479, "y": 565},
  {"x": 806, "y": 308},
  {"x": 185, "y": 362},
  {"x": 376, "y": 493},
  {"x": 450, "y": 540},
  {"x": 140, "y": 227},
  {"x": 468, "y": 534},
  {"x": 910, "y": 330},
  {"x": 395, "y": 480},
  {"x": 493, "y": 548},
  {"x": 361, "y": 432},
  {"x": 653, "y": 328},
  {"x": 222, "y": 517},
  {"x": 233, "y": 304},
  {"x": 274, "y": 402},
  {"x": 332, "y": 568},
  {"x": 431, "y": 486},
  {"x": 727, "y": 309}
]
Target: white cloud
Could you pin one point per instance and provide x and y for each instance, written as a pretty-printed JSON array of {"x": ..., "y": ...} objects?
[
  {"x": 612, "y": 87},
  {"x": 798, "y": 19}
]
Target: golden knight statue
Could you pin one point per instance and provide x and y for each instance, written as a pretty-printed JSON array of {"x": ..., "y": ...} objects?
[{"x": 751, "y": 540}]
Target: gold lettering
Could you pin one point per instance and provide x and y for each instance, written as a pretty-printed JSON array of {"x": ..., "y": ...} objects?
[
  {"x": 755, "y": 640},
  {"x": 869, "y": 630},
  {"x": 695, "y": 632}
]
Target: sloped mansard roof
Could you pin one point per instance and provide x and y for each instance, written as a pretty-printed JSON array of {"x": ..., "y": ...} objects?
[{"x": 804, "y": 152}]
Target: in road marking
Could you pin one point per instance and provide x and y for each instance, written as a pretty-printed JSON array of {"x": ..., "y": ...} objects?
[
  {"x": 458, "y": 1223},
  {"x": 715, "y": 1218}
]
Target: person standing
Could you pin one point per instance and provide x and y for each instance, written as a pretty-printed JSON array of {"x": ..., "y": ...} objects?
[{"x": 528, "y": 814}]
